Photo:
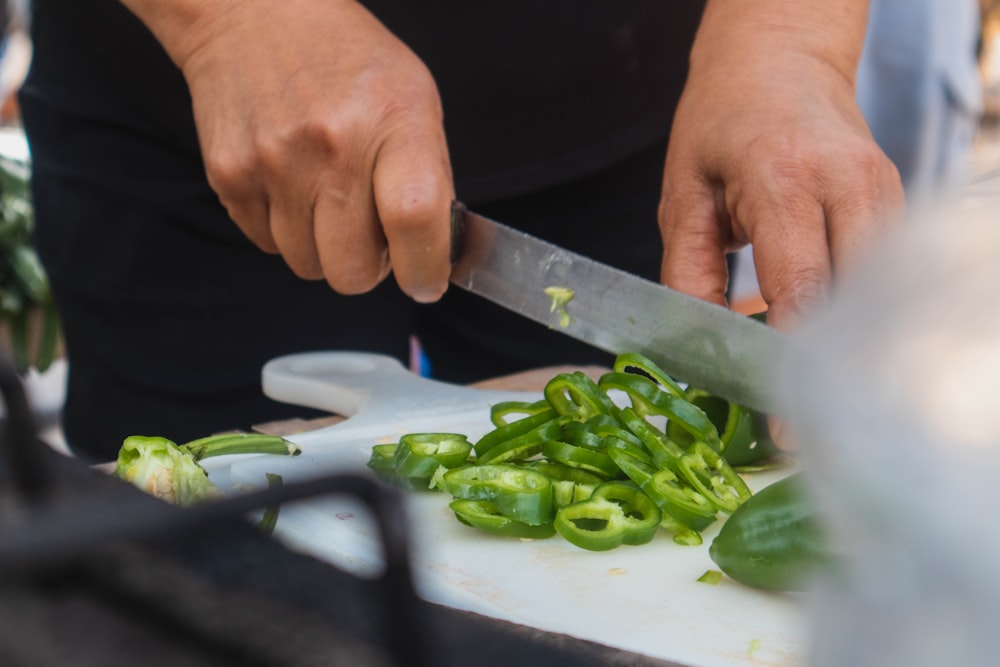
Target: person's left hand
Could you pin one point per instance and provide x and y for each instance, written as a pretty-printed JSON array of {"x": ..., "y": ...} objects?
[{"x": 769, "y": 148}]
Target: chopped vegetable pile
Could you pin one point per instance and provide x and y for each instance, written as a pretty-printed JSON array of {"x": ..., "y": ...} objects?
[{"x": 599, "y": 472}]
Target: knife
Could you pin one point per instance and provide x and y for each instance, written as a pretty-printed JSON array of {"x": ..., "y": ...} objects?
[{"x": 697, "y": 342}]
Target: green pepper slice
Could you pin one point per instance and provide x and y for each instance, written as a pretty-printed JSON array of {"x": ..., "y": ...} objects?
[
  {"x": 611, "y": 425},
  {"x": 617, "y": 513},
  {"x": 665, "y": 452},
  {"x": 486, "y": 516},
  {"x": 420, "y": 454},
  {"x": 744, "y": 436},
  {"x": 383, "y": 458},
  {"x": 569, "y": 485},
  {"x": 500, "y": 412},
  {"x": 524, "y": 446},
  {"x": 674, "y": 497},
  {"x": 591, "y": 460},
  {"x": 580, "y": 434},
  {"x": 513, "y": 430},
  {"x": 708, "y": 472},
  {"x": 682, "y": 534},
  {"x": 648, "y": 398},
  {"x": 614, "y": 442},
  {"x": 519, "y": 493},
  {"x": 633, "y": 362},
  {"x": 383, "y": 463},
  {"x": 577, "y": 396}
]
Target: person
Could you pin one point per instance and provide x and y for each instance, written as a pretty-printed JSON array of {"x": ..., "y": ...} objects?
[
  {"x": 221, "y": 182},
  {"x": 920, "y": 90}
]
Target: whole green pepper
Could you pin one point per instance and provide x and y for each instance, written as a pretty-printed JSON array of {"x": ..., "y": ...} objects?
[{"x": 774, "y": 540}]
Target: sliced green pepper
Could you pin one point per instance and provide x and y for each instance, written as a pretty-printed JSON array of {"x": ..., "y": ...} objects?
[
  {"x": 486, "y": 515},
  {"x": 611, "y": 425},
  {"x": 680, "y": 500},
  {"x": 648, "y": 398},
  {"x": 614, "y": 442},
  {"x": 665, "y": 452},
  {"x": 743, "y": 432},
  {"x": 674, "y": 497},
  {"x": 383, "y": 458},
  {"x": 519, "y": 493},
  {"x": 383, "y": 463},
  {"x": 580, "y": 434},
  {"x": 513, "y": 430},
  {"x": 591, "y": 460},
  {"x": 569, "y": 485},
  {"x": 420, "y": 454},
  {"x": 633, "y": 362},
  {"x": 499, "y": 412},
  {"x": 708, "y": 472},
  {"x": 617, "y": 513},
  {"x": 577, "y": 396},
  {"x": 682, "y": 534},
  {"x": 523, "y": 446}
]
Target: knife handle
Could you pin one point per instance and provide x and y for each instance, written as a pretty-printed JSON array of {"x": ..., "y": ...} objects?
[{"x": 457, "y": 229}]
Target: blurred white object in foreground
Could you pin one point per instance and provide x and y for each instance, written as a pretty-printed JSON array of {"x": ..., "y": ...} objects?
[{"x": 894, "y": 392}]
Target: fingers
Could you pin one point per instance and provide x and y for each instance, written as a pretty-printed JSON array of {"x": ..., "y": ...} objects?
[
  {"x": 329, "y": 150},
  {"x": 791, "y": 253},
  {"x": 413, "y": 194},
  {"x": 815, "y": 228},
  {"x": 244, "y": 200},
  {"x": 695, "y": 239}
]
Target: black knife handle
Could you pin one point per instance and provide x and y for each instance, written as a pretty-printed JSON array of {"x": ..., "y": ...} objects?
[{"x": 457, "y": 229}]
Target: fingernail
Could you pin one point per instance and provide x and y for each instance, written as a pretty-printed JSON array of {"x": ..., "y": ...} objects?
[{"x": 426, "y": 295}]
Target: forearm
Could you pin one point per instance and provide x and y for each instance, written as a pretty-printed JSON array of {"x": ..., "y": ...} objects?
[
  {"x": 176, "y": 23},
  {"x": 735, "y": 30},
  {"x": 184, "y": 26}
]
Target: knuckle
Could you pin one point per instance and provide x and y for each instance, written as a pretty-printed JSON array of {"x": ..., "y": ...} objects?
[
  {"x": 228, "y": 172},
  {"x": 413, "y": 206},
  {"x": 356, "y": 281},
  {"x": 798, "y": 286}
]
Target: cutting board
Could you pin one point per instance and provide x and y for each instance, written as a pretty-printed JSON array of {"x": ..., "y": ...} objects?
[{"x": 644, "y": 599}]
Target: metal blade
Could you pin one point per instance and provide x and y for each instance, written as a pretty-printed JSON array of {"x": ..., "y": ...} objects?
[{"x": 703, "y": 344}]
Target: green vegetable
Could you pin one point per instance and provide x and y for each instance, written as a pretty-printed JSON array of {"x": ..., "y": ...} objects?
[
  {"x": 745, "y": 439},
  {"x": 576, "y": 395},
  {"x": 712, "y": 577},
  {"x": 569, "y": 485},
  {"x": 420, "y": 454},
  {"x": 616, "y": 513},
  {"x": 564, "y": 455},
  {"x": 239, "y": 443},
  {"x": 560, "y": 297},
  {"x": 161, "y": 468},
  {"x": 486, "y": 515},
  {"x": 522, "y": 427},
  {"x": 774, "y": 540},
  {"x": 269, "y": 520},
  {"x": 171, "y": 472},
  {"x": 519, "y": 493}
]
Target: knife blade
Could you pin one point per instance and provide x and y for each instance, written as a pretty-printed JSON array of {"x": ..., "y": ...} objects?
[{"x": 697, "y": 342}]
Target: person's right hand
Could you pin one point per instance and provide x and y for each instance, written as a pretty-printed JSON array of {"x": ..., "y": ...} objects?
[{"x": 322, "y": 135}]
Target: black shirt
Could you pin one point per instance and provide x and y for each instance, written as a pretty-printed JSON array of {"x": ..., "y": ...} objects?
[
  {"x": 535, "y": 92},
  {"x": 556, "y": 113}
]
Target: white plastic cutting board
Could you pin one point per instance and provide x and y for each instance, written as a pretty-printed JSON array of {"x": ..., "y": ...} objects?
[{"x": 644, "y": 599}]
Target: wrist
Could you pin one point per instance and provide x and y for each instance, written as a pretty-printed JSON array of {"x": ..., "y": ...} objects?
[
  {"x": 181, "y": 26},
  {"x": 771, "y": 33}
]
